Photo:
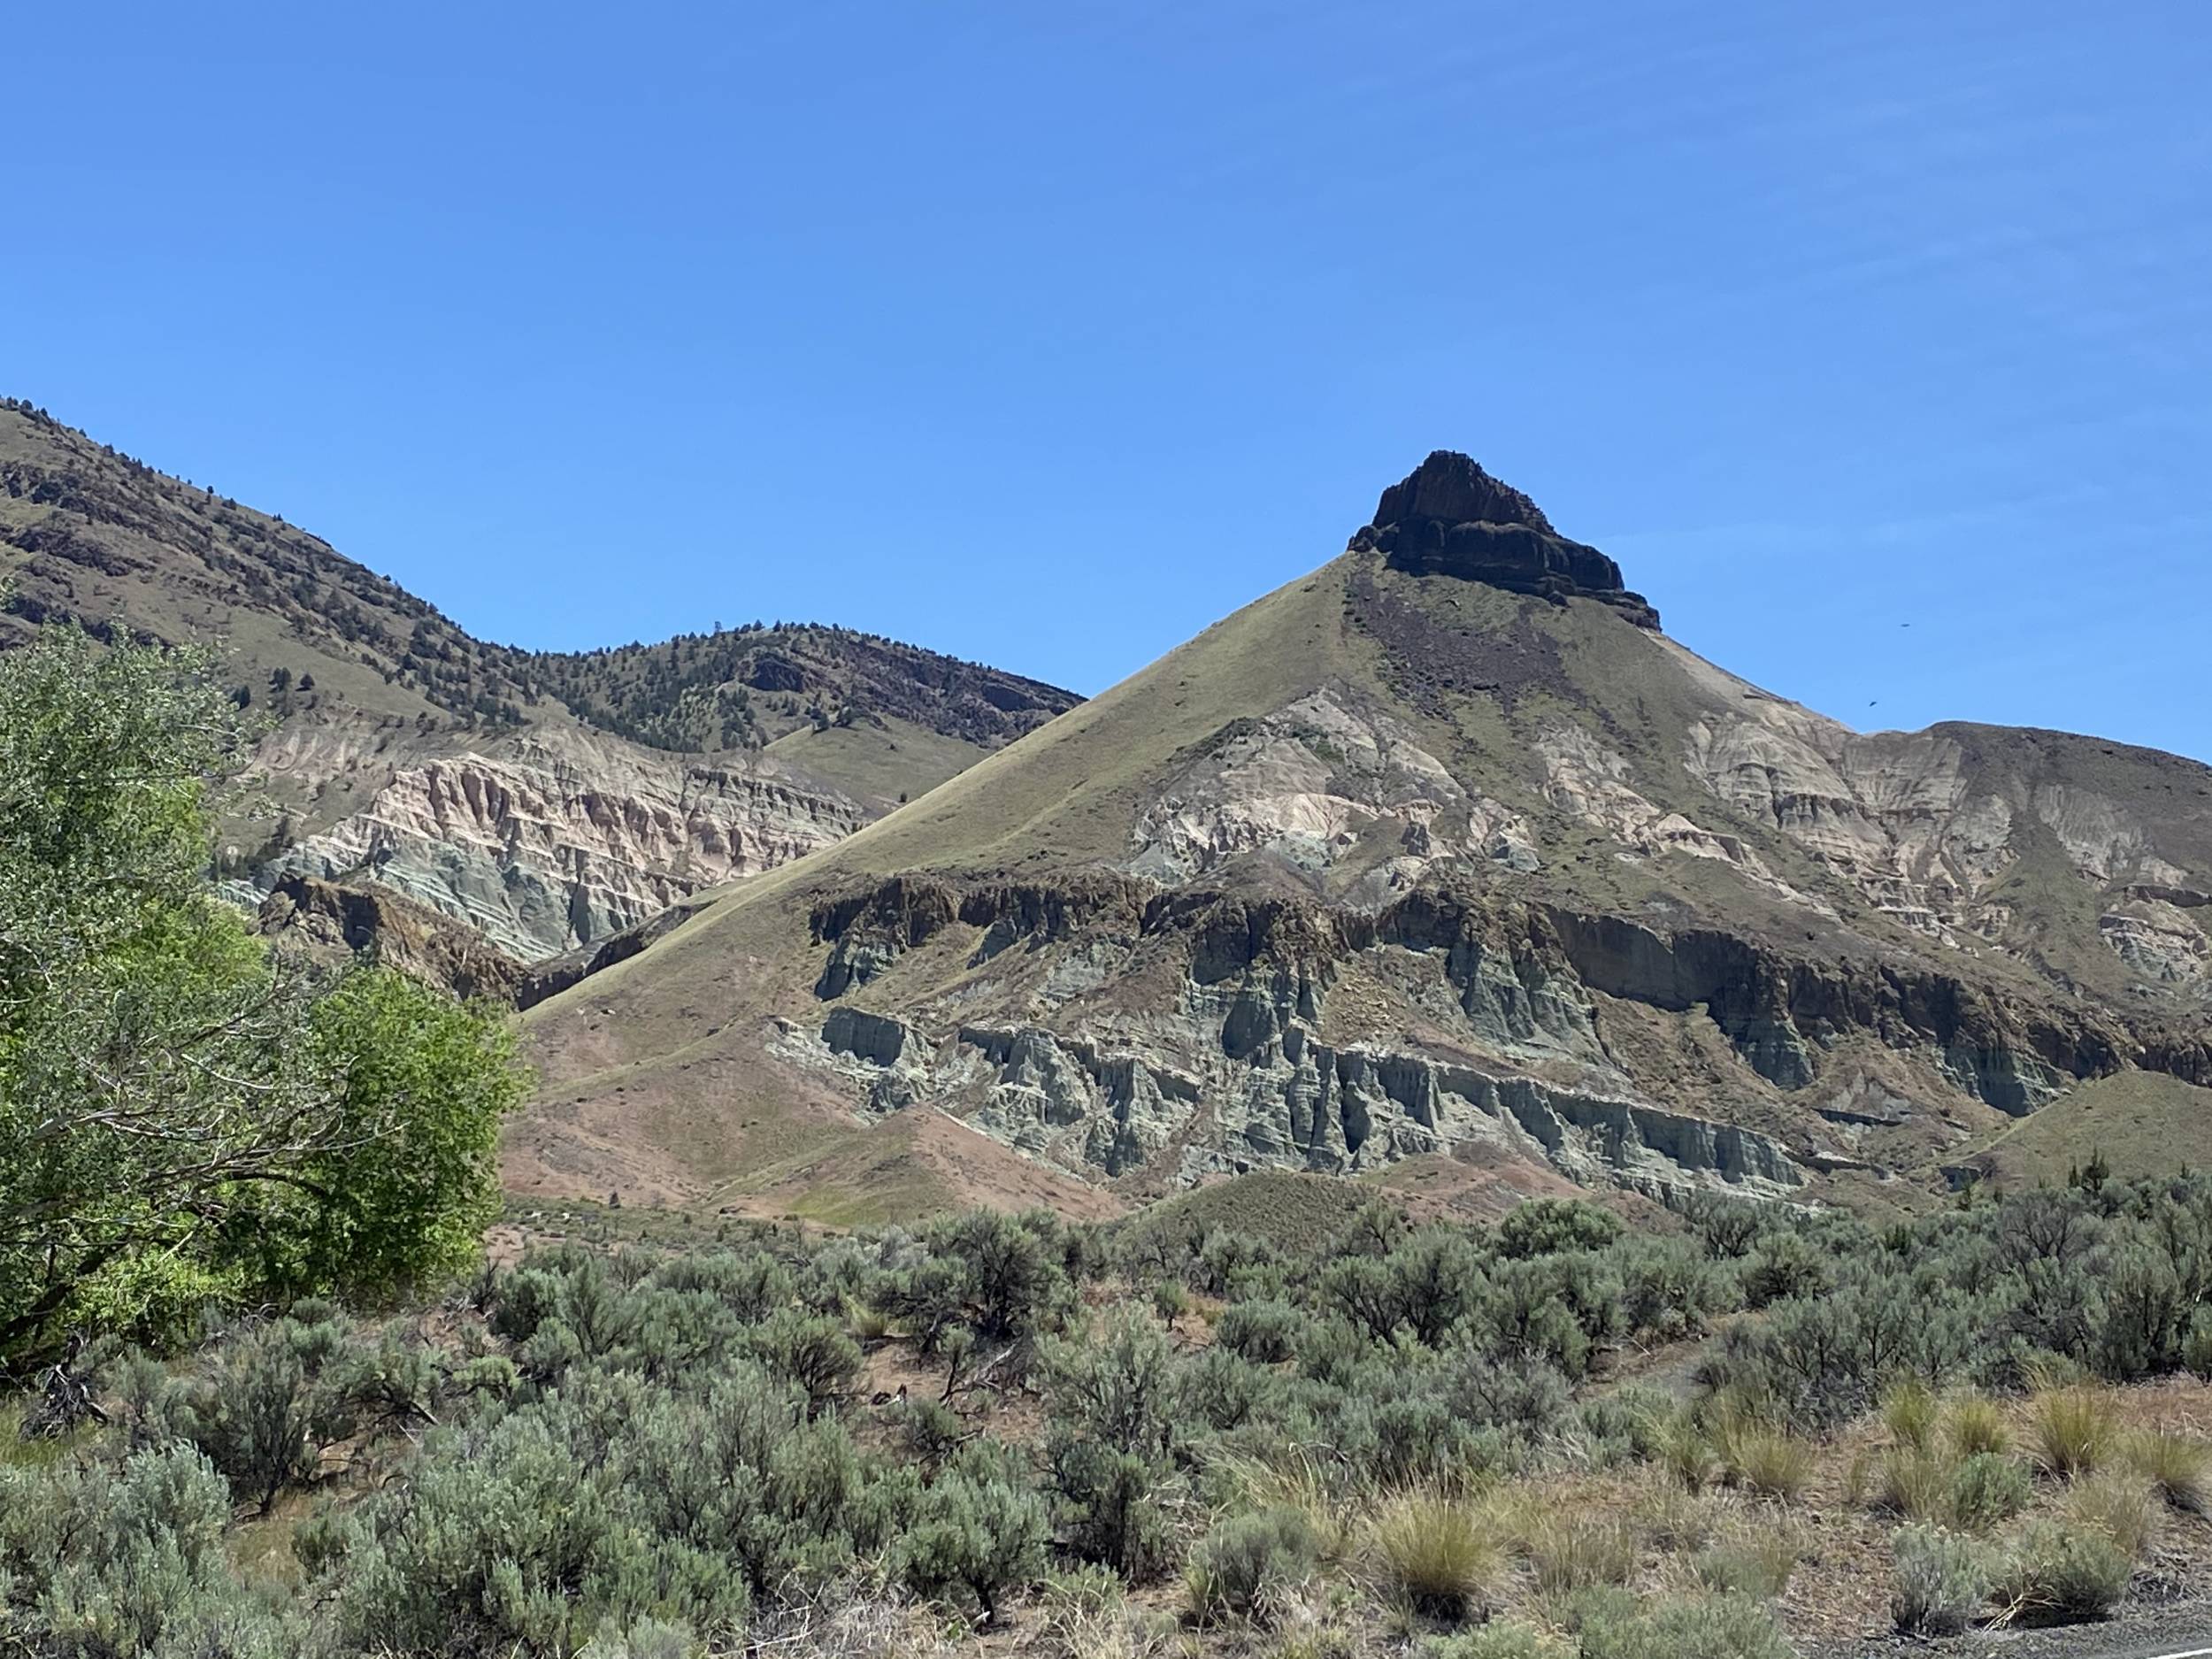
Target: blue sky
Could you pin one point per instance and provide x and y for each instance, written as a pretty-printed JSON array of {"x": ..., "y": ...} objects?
[{"x": 1047, "y": 335}]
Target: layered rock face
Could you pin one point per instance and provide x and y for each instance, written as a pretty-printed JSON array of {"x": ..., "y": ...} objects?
[
  {"x": 546, "y": 847},
  {"x": 1450, "y": 517}
]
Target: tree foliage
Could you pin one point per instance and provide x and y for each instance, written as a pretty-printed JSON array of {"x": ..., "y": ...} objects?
[{"x": 184, "y": 1115}]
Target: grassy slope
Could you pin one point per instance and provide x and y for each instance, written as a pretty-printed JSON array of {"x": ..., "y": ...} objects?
[{"x": 2142, "y": 1123}]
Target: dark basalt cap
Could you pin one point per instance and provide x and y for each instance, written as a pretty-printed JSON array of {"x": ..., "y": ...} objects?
[{"x": 1450, "y": 517}]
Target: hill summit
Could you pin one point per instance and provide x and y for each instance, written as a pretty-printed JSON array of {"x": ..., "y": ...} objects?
[{"x": 1449, "y": 517}]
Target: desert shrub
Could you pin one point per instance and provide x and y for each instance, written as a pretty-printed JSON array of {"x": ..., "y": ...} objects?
[
  {"x": 2070, "y": 1430},
  {"x": 1975, "y": 1423},
  {"x": 1754, "y": 1561},
  {"x": 1712, "y": 1627},
  {"x": 97, "y": 1560},
  {"x": 1551, "y": 1227},
  {"x": 2120, "y": 1504},
  {"x": 1627, "y": 1424},
  {"x": 1669, "y": 1291},
  {"x": 810, "y": 1350},
  {"x": 2064, "y": 1574},
  {"x": 1431, "y": 1550},
  {"x": 1109, "y": 1441},
  {"x": 974, "y": 1533},
  {"x": 2178, "y": 1465},
  {"x": 1014, "y": 1283},
  {"x": 1171, "y": 1299},
  {"x": 2196, "y": 1347},
  {"x": 1501, "y": 1638},
  {"x": 1250, "y": 1565},
  {"x": 1785, "y": 1266},
  {"x": 931, "y": 1432},
  {"x": 1435, "y": 1281},
  {"x": 1938, "y": 1580},
  {"x": 926, "y": 1299},
  {"x": 1986, "y": 1488},
  {"x": 1239, "y": 1266},
  {"x": 1519, "y": 1393},
  {"x": 2145, "y": 1318},
  {"x": 267, "y": 1403},
  {"x": 1685, "y": 1451},
  {"x": 1264, "y": 1332}
]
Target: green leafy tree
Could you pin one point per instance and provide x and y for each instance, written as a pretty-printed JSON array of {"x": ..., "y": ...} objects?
[{"x": 182, "y": 1114}]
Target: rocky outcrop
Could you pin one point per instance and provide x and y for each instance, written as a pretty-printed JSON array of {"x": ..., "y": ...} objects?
[
  {"x": 1234, "y": 1071},
  {"x": 337, "y": 922},
  {"x": 544, "y": 849},
  {"x": 1450, "y": 517}
]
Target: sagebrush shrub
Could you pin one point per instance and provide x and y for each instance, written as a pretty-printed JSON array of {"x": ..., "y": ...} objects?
[
  {"x": 1248, "y": 1566},
  {"x": 1938, "y": 1580},
  {"x": 2064, "y": 1573},
  {"x": 1501, "y": 1639},
  {"x": 1986, "y": 1488}
]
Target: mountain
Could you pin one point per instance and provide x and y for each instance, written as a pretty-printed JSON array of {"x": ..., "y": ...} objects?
[
  {"x": 1444, "y": 867},
  {"x": 549, "y": 801}
]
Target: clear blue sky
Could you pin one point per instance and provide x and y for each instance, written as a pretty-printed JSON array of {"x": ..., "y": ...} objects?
[{"x": 1045, "y": 335}]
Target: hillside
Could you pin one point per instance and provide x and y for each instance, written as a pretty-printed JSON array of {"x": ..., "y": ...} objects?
[
  {"x": 1446, "y": 853},
  {"x": 548, "y": 800}
]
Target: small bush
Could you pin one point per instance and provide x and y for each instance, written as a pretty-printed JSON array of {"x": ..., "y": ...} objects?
[
  {"x": 2064, "y": 1574},
  {"x": 1431, "y": 1551},
  {"x": 2070, "y": 1430},
  {"x": 1710, "y": 1627},
  {"x": 1250, "y": 1565},
  {"x": 976, "y": 1535},
  {"x": 1505, "y": 1639},
  {"x": 1986, "y": 1489},
  {"x": 2196, "y": 1347},
  {"x": 1975, "y": 1424},
  {"x": 1939, "y": 1580},
  {"x": 2179, "y": 1465},
  {"x": 1756, "y": 1563},
  {"x": 1265, "y": 1333},
  {"x": 2123, "y": 1506}
]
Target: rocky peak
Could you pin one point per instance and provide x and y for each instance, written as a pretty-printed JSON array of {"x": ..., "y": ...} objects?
[
  {"x": 1450, "y": 487},
  {"x": 1450, "y": 517}
]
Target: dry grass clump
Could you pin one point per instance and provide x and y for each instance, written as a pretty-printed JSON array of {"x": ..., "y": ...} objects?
[
  {"x": 1914, "y": 1483},
  {"x": 2124, "y": 1506},
  {"x": 1755, "y": 1452},
  {"x": 1570, "y": 1552},
  {"x": 1911, "y": 1413},
  {"x": 2070, "y": 1430},
  {"x": 1435, "y": 1552},
  {"x": 1975, "y": 1423},
  {"x": 2178, "y": 1465},
  {"x": 1754, "y": 1559}
]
